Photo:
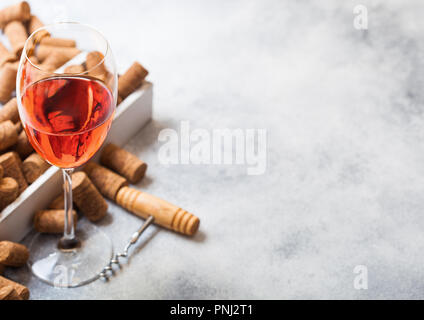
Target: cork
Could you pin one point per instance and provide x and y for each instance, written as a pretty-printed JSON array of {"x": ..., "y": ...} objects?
[
  {"x": 106, "y": 181},
  {"x": 18, "y": 127},
  {"x": 58, "y": 203},
  {"x": 8, "y": 135},
  {"x": 34, "y": 60},
  {"x": 20, "y": 12},
  {"x": 75, "y": 68},
  {"x": 123, "y": 162},
  {"x": 93, "y": 60},
  {"x": 35, "y": 23},
  {"x": 9, "y": 293},
  {"x": 12, "y": 168},
  {"x": 9, "y": 191},
  {"x": 166, "y": 215},
  {"x": 13, "y": 254},
  {"x": 22, "y": 291},
  {"x": 58, "y": 42},
  {"x": 88, "y": 199},
  {"x": 15, "y": 64},
  {"x": 33, "y": 167},
  {"x": 131, "y": 80},
  {"x": 17, "y": 35},
  {"x": 10, "y": 111},
  {"x": 23, "y": 147},
  {"x": 55, "y": 60},
  {"x": 95, "y": 66},
  {"x": 5, "y": 55},
  {"x": 43, "y": 51},
  {"x": 51, "y": 221},
  {"x": 7, "y": 81}
]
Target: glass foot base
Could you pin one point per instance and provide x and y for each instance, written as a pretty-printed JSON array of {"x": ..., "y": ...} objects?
[{"x": 70, "y": 268}]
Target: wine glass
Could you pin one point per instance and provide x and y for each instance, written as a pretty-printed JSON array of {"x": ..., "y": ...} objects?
[{"x": 67, "y": 114}]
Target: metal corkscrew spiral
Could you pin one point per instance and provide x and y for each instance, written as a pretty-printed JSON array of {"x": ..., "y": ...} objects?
[{"x": 107, "y": 271}]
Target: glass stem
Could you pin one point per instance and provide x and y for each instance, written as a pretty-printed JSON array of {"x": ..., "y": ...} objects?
[{"x": 69, "y": 232}]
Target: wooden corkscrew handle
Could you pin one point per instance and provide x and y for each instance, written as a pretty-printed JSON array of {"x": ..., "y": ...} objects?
[{"x": 165, "y": 214}]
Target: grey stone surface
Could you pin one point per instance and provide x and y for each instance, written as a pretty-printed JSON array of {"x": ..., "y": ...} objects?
[{"x": 344, "y": 183}]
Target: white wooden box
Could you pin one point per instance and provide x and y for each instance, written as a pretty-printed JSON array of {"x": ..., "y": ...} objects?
[{"x": 131, "y": 115}]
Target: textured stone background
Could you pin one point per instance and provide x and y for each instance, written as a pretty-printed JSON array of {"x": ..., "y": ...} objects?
[{"x": 345, "y": 173}]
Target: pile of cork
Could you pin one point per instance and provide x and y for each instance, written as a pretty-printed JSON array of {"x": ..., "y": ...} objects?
[
  {"x": 12, "y": 255},
  {"x": 18, "y": 23},
  {"x": 91, "y": 185},
  {"x": 118, "y": 168},
  {"x": 89, "y": 188},
  {"x": 110, "y": 179},
  {"x": 19, "y": 164}
]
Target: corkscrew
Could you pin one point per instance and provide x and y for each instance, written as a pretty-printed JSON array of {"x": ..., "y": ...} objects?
[
  {"x": 152, "y": 209},
  {"x": 107, "y": 271}
]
